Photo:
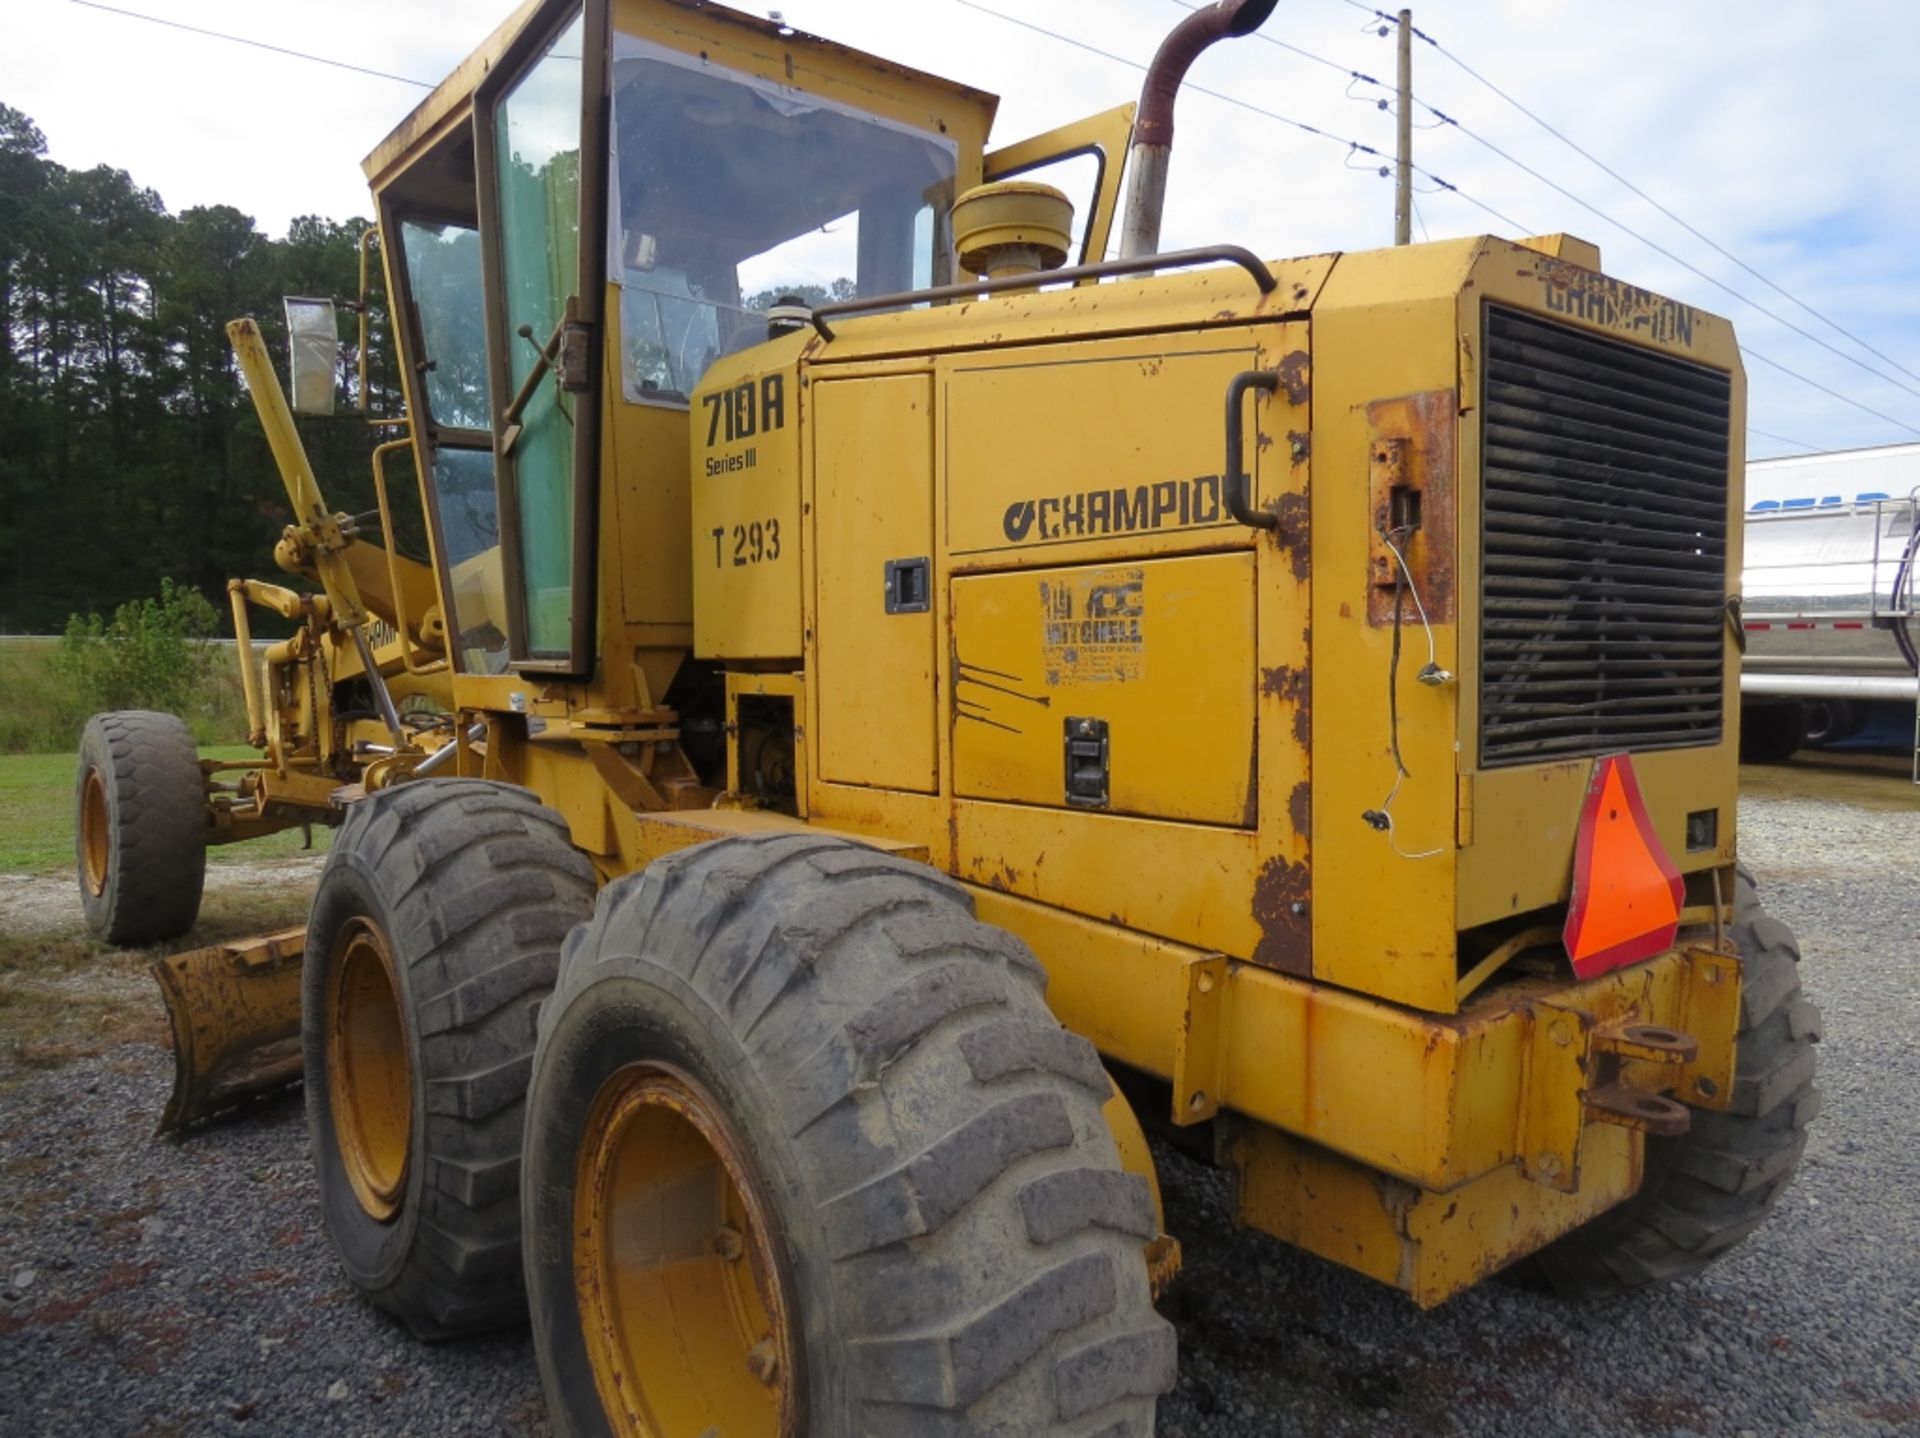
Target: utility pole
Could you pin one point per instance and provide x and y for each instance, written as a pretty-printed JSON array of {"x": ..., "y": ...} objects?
[{"x": 1403, "y": 115}]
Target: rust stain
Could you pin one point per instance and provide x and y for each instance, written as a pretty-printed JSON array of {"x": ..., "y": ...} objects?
[
  {"x": 1283, "y": 681},
  {"x": 1423, "y": 461},
  {"x": 1300, "y": 807},
  {"x": 1296, "y": 377},
  {"x": 1303, "y": 725},
  {"x": 1281, "y": 896},
  {"x": 1299, "y": 445},
  {"x": 1293, "y": 534}
]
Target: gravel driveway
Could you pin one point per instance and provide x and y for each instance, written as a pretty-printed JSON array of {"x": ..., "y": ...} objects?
[{"x": 161, "y": 1288}]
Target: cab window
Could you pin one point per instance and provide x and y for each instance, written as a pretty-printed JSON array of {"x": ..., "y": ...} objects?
[{"x": 729, "y": 192}]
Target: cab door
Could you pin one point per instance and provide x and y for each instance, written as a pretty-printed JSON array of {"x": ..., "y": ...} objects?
[{"x": 540, "y": 148}]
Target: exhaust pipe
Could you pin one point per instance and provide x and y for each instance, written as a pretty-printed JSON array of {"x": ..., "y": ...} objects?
[{"x": 1153, "y": 130}]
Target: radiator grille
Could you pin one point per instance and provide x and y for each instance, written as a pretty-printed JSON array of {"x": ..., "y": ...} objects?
[{"x": 1604, "y": 545}]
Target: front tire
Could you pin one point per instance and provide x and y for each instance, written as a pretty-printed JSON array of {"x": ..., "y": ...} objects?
[
  {"x": 434, "y": 936},
  {"x": 1706, "y": 1191},
  {"x": 856, "y": 1139},
  {"x": 140, "y": 827}
]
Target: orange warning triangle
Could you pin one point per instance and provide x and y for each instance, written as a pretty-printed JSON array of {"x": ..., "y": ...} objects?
[{"x": 1626, "y": 891}]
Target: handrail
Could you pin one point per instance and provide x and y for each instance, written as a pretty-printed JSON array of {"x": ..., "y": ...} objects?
[
  {"x": 380, "y": 454},
  {"x": 1106, "y": 269}
]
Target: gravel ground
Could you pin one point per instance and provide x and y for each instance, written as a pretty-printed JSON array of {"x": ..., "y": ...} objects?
[{"x": 160, "y": 1288}]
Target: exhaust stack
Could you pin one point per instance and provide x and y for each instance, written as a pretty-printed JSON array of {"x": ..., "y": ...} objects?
[{"x": 1153, "y": 131}]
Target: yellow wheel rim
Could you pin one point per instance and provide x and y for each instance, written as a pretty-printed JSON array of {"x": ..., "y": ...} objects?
[
  {"x": 369, "y": 1080},
  {"x": 96, "y": 828},
  {"x": 682, "y": 1306}
]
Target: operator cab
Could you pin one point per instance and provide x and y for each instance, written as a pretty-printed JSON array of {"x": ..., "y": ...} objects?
[{"x": 559, "y": 314}]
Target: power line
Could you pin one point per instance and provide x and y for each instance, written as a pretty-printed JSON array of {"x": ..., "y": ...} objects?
[
  {"x": 1353, "y": 146},
  {"x": 255, "y": 44},
  {"x": 1753, "y": 353},
  {"x": 1658, "y": 248},
  {"x": 1705, "y": 239},
  {"x": 1518, "y": 228},
  {"x": 1782, "y": 439},
  {"x": 1653, "y": 245}
]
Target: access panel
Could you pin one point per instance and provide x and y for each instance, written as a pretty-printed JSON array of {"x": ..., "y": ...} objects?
[
  {"x": 873, "y": 611},
  {"x": 1091, "y": 450},
  {"x": 1125, "y": 688}
]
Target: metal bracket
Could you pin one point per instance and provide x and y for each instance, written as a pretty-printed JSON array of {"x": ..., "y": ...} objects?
[
  {"x": 1634, "y": 1108},
  {"x": 1550, "y": 1121},
  {"x": 1196, "y": 1046}
]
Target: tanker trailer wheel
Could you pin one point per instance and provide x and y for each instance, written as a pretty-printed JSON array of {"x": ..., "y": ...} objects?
[
  {"x": 1707, "y": 1190},
  {"x": 140, "y": 827},
  {"x": 434, "y": 936},
  {"x": 807, "y": 1154}
]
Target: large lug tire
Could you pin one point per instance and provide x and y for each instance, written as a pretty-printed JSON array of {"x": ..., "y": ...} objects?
[
  {"x": 140, "y": 827},
  {"x": 940, "y": 1240},
  {"x": 1706, "y": 1191},
  {"x": 434, "y": 937}
]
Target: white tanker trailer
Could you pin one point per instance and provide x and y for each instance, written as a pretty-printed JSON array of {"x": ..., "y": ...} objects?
[{"x": 1832, "y": 644}]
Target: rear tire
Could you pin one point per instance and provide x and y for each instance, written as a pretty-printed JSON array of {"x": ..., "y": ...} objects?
[
  {"x": 434, "y": 936},
  {"x": 1773, "y": 732},
  {"x": 140, "y": 827},
  {"x": 1705, "y": 1192},
  {"x": 948, "y": 1230}
]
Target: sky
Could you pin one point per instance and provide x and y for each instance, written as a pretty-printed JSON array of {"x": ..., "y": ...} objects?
[{"x": 1782, "y": 131}]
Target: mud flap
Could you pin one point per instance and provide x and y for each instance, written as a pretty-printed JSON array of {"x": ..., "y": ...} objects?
[{"x": 235, "y": 1014}]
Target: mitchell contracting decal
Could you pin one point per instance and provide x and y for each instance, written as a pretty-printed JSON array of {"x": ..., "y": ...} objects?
[{"x": 1089, "y": 514}]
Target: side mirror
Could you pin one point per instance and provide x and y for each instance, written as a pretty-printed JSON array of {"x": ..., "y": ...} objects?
[{"x": 313, "y": 344}]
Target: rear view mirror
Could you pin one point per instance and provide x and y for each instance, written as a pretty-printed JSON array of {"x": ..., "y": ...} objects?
[{"x": 313, "y": 344}]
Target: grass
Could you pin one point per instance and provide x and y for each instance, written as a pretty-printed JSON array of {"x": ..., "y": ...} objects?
[
  {"x": 36, "y": 816},
  {"x": 65, "y": 996},
  {"x": 42, "y": 709}
]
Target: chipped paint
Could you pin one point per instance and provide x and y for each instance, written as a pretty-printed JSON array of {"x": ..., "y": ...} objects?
[
  {"x": 1583, "y": 294},
  {"x": 1281, "y": 900},
  {"x": 1296, "y": 377},
  {"x": 1294, "y": 535}
]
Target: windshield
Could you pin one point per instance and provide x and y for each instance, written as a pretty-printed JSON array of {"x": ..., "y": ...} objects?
[{"x": 730, "y": 192}]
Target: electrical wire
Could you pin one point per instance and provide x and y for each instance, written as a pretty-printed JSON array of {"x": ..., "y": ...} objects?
[
  {"x": 1704, "y": 239},
  {"x": 1782, "y": 439},
  {"x": 1688, "y": 265},
  {"x": 255, "y": 44},
  {"x": 1654, "y": 245},
  {"x": 1432, "y": 674},
  {"x": 1353, "y": 146}
]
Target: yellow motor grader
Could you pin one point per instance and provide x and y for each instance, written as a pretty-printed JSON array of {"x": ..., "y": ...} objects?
[{"x": 932, "y": 704}]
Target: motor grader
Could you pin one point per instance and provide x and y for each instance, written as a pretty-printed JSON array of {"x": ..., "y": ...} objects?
[{"x": 933, "y": 704}]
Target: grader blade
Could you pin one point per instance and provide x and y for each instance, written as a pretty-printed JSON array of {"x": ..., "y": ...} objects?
[{"x": 235, "y": 1012}]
